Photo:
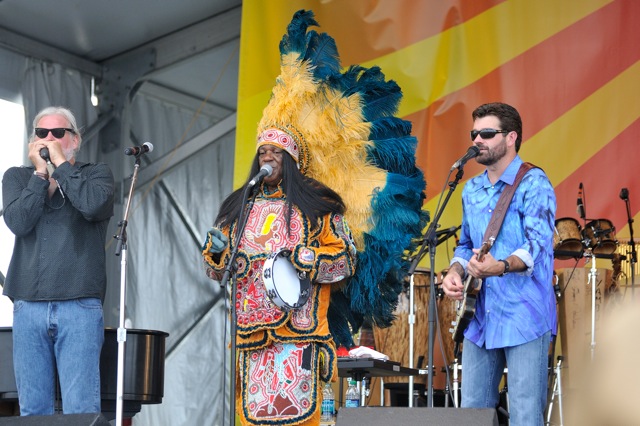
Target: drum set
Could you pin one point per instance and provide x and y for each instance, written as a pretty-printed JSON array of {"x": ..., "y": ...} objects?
[{"x": 570, "y": 240}]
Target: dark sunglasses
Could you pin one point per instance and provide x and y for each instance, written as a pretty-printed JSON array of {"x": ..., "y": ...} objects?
[
  {"x": 57, "y": 133},
  {"x": 486, "y": 133}
]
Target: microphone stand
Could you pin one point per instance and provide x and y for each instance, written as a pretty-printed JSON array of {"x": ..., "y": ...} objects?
[
  {"x": 121, "y": 250},
  {"x": 231, "y": 269},
  {"x": 634, "y": 254},
  {"x": 430, "y": 242},
  {"x": 593, "y": 282}
]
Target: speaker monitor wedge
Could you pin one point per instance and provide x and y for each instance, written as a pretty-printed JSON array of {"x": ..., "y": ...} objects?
[
  {"x": 432, "y": 416},
  {"x": 96, "y": 419}
]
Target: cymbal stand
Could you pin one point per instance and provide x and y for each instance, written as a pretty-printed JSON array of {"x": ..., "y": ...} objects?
[
  {"x": 456, "y": 384},
  {"x": 504, "y": 392},
  {"x": 411, "y": 321},
  {"x": 556, "y": 392},
  {"x": 593, "y": 276},
  {"x": 624, "y": 194},
  {"x": 447, "y": 392}
]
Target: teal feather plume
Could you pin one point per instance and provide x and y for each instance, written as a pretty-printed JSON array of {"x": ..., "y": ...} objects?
[
  {"x": 295, "y": 39},
  {"x": 397, "y": 217},
  {"x": 323, "y": 54}
]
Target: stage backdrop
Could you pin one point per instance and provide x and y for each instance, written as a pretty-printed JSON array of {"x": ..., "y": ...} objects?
[{"x": 570, "y": 67}]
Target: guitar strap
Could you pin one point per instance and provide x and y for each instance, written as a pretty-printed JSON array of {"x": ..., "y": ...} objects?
[{"x": 503, "y": 203}]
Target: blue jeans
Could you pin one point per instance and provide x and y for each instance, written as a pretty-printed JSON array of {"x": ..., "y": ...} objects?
[
  {"x": 482, "y": 370},
  {"x": 64, "y": 336}
]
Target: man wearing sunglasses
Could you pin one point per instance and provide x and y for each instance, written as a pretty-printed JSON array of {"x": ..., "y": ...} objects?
[
  {"x": 58, "y": 209},
  {"x": 515, "y": 312}
]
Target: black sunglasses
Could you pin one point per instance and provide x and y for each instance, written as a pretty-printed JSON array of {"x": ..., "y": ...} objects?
[
  {"x": 57, "y": 133},
  {"x": 486, "y": 133}
]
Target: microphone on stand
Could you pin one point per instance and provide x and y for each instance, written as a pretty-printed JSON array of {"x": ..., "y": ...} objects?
[
  {"x": 265, "y": 171},
  {"x": 448, "y": 231},
  {"x": 624, "y": 194},
  {"x": 139, "y": 150},
  {"x": 472, "y": 152},
  {"x": 444, "y": 234},
  {"x": 556, "y": 286},
  {"x": 580, "y": 208}
]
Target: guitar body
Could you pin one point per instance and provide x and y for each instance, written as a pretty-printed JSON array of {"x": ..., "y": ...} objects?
[{"x": 466, "y": 308}]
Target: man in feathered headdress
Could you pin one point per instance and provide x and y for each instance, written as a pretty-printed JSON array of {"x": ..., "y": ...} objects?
[{"x": 338, "y": 156}]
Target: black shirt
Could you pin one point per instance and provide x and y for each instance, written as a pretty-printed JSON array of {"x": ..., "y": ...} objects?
[{"x": 59, "y": 251}]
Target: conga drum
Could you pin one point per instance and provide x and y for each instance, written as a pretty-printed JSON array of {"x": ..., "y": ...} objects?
[
  {"x": 600, "y": 236},
  {"x": 567, "y": 237},
  {"x": 446, "y": 317}
]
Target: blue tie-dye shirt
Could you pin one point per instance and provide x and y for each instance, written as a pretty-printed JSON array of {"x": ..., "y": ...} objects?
[{"x": 520, "y": 306}]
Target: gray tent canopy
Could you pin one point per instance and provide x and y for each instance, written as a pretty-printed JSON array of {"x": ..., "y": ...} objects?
[{"x": 172, "y": 81}]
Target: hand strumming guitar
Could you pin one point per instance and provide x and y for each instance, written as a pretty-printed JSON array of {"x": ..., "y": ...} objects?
[
  {"x": 452, "y": 282},
  {"x": 481, "y": 266}
]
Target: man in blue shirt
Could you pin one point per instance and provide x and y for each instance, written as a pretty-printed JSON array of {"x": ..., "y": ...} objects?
[{"x": 515, "y": 313}]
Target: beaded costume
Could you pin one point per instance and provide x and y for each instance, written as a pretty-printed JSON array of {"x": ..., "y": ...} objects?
[
  {"x": 279, "y": 350},
  {"x": 340, "y": 130}
]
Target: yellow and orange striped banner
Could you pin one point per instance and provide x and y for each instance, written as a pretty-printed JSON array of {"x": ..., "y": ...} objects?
[{"x": 570, "y": 67}]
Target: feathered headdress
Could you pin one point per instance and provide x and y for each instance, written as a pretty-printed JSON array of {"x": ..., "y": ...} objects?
[{"x": 341, "y": 130}]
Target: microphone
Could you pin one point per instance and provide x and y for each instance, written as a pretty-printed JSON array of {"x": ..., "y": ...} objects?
[
  {"x": 580, "y": 208},
  {"x": 556, "y": 289},
  {"x": 624, "y": 194},
  {"x": 472, "y": 152},
  {"x": 139, "y": 150},
  {"x": 444, "y": 234},
  {"x": 556, "y": 286},
  {"x": 265, "y": 171},
  {"x": 451, "y": 231},
  {"x": 44, "y": 153}
]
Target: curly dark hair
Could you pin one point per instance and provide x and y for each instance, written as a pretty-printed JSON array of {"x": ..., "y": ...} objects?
[
  {"x": 509, "y": 118},
  {"x": 313, "y": 198}
]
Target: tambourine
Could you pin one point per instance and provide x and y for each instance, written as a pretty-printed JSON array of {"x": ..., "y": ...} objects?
[{"x": 286, "y": 287}]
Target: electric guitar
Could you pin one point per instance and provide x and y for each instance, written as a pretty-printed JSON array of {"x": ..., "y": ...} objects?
[{"x": 466, "y": 308}]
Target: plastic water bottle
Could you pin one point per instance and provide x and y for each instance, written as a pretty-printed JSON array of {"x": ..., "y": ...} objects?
[
  {"x": 328, "y": 404},
  {"x": 352, "y": 399}
]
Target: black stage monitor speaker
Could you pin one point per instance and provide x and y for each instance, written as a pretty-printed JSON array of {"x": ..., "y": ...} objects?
[
  {"x": 432, "y": 416},
  {"x": 56, "y": 420}
]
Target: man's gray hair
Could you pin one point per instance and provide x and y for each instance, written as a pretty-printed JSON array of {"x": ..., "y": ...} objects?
[{"x": 57, "y": 110}]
